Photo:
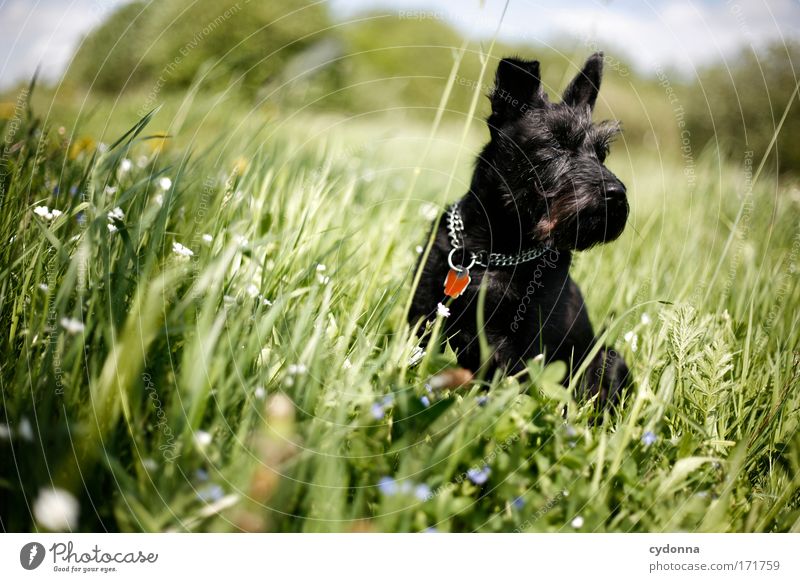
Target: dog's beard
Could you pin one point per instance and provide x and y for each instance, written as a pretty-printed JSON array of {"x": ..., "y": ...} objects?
[{"x": 580, "y": 223}]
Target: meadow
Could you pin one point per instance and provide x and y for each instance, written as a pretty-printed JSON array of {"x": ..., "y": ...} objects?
[{"x": 204, "y": 330}]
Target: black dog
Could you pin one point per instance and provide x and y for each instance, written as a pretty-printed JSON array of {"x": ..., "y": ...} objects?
[{"x": 539, "y": 191}]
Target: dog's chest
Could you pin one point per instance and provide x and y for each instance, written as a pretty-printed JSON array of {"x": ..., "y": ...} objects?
[
  {"x": 515, "y": 293},
  {"x": 501, "y": 285}
]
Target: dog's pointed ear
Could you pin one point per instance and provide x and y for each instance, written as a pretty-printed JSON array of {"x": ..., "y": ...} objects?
[
  {"x": 517, "y": 88},
  {"x": 583, "y": 89}
]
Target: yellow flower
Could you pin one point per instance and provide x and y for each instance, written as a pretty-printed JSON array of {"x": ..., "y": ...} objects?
[
  {"x": 6, "y": 110},
  {"x": 158, "y": 143},
  {"x": 80, "y": 145}
]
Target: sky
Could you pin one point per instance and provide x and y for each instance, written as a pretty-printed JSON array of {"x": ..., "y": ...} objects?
[{"x": 679, "y": 34}]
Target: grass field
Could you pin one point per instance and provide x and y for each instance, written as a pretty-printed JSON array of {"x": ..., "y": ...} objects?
[{"x": 211, "y": 337}]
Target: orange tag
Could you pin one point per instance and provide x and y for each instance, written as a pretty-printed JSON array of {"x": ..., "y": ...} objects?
[{"x": 456, "y": 282}]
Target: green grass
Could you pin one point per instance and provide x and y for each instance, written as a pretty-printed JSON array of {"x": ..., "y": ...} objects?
[{"x": 285, "y": 365}]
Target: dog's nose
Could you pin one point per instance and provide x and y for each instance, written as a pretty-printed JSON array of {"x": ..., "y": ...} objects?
[{"x": 615, "y": 191}]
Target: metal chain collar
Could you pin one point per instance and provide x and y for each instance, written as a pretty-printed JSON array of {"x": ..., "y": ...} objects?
[{"x": 455, "y": 229}]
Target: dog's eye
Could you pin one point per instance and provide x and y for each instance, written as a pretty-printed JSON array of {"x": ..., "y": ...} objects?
[
  {"x": 602, "y": 150},
  {"x": 602, "y": 147},
  {"x": 601, "y": 137},
  {"x": 571, "y": 140},
  {"x": 567, "y": 135}
]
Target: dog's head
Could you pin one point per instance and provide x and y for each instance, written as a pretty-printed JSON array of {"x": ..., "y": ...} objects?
[{"x": 548, "y": 158}]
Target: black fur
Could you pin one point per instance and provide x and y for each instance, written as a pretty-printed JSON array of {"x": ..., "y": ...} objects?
[{"x": 540, "y": 180}]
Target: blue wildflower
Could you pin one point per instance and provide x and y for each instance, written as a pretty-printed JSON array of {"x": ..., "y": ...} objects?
[
  {"x": 201, "y": 475},
  {"x": 479, "y": 476},
  {"x": 425, "y": 401},
  {"x": 430, "y": 530},
  {"x": 379, "y": 408},
  {"x": 648, "y": 438},
  {"x": 377, "y": 411},
  {"x": 518, "y": 503},
  {"x": 422, "y": 492},
  {"x": 387, "y": 486},
  {"x": 211, "y": 492},
  {"x": 483, "y": 400}
]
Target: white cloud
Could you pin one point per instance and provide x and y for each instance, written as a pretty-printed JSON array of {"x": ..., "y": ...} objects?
[
  {"x": 44, "y": 34},
  {"x": 685, "y": 34}
]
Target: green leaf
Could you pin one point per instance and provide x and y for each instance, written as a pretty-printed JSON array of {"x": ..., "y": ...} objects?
[
  {"x": 680, "y": 473},
  {"x": 555, "y": 372},
  {"x": 555, "y": 391}
]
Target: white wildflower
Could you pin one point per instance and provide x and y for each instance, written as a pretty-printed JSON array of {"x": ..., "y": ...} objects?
[
  {"x": 181, "y": 250},
  {"x": 323, "y": 279},
  {"x": 646, "y": 319},
  {"x": 72, "y": 325},
  {"x": 202, "y": 438},
  {"x": 442, "y": 310},
  {"x": 116, "y": 214},
  {"x": 240, "y": 240},
  {"x": 347, "y": 364},
  {"x": 44, "y": 287},
  {"x": 110, "y": 190},
  {"x": 125, "y": 166},
  {"x": 297, "y": 369},
  {"x": 577, "y": 523},
  {"x": 321, "y": 267},
  {"x": 46, "y": 213},
  {"x": 419, "y": 249},
  {"x": 56, "y": 509},
  {"x": 429, "y": 211},
  {"x": 252, "y": 290},
  {"x": 112, "y": 227},
  {"x": 207, "y": 238},
  {"x": 25, "y": 430},
  {"x": 164, "y": 183},
  {"x": 259, "y": 392},
  {"x": 142, "y": 161},
  {"x": 631, "y": 338},
  {"x": 416, "y": 356},
  {"x": 159, "y": 199}
]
